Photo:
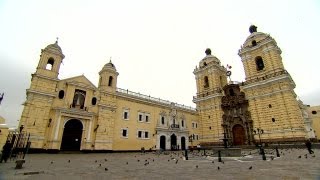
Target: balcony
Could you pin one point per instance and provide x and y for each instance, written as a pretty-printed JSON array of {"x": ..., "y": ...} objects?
[{"x": 174, "y": 126}]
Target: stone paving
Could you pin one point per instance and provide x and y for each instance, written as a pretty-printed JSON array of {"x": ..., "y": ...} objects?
[{"x": 170, "y": 165}]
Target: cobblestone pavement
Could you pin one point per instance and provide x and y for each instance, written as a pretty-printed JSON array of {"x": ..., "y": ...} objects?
[{"x": 170, "y": 165}]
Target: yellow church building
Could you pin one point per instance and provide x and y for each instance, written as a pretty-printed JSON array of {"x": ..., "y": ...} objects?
[{"x": 75, "y": 114}]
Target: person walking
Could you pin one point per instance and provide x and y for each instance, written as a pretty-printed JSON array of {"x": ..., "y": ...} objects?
[
  {"x": 308, "y": 144},
  {"x": 5, "y": 152}
]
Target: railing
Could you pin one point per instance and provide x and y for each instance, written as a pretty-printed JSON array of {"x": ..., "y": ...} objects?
[
  {"x": 174, "y": 125},
  {"x": 150, "y": 98},
  {"x": 276, "y": 72},
  {"x": 207, "y": 93}
]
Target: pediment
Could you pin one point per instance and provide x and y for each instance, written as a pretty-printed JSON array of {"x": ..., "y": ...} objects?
[{"x": 80, "y": 81}]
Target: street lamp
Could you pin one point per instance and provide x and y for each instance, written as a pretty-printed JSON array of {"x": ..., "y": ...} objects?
[{"x": 259, "y": 132}]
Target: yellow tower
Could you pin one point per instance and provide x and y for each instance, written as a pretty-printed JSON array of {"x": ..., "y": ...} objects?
[
  {"x": 104, "y": 130},
  {"x": 270, "y": 90},
  {"x": 210, "y": 79},
  {"x": 42, "y": 91}
]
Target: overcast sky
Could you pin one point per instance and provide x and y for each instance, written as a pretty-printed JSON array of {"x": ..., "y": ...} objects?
[{"x": 155, "y": 45}]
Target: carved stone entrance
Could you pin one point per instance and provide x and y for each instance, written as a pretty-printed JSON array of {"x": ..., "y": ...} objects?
[
  {"x": 72, "y": 133},
  {"x": 237, "y": 123},
  {"x": 239, "y": 135}
]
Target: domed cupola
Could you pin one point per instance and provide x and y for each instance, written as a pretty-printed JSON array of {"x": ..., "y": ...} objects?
[
  {"x": 209, "y": 59},
  {"x": 256, "y": 40},
  {"x": 54, "y": 49},
  {"x": 109, "y": 66},
  {"x": 108, "y": 77}
]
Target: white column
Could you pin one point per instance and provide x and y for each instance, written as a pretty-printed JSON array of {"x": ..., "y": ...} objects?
[
  {"x": 89, "y": 131},
  {"x": 57, "y": 129}
]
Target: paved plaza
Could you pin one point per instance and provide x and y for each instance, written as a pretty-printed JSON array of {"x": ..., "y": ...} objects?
[{"x": 292, "y": 164}]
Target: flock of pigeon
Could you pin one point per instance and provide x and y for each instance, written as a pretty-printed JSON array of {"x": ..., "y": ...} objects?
[{"x": 174, "y": 156}]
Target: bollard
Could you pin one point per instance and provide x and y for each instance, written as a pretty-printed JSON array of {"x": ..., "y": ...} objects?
[
  {"x": 219, "y": 156},
  {"x": 278, "y": 155},
  {"x": 186, "y": 154},
  {"x": 263, "y": 154}
]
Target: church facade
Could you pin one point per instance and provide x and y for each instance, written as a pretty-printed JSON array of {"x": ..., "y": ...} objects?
[{"x": 74, "y": 114}]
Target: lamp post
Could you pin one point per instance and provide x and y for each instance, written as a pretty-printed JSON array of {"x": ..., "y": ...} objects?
[{"x": 259, "y": 131}]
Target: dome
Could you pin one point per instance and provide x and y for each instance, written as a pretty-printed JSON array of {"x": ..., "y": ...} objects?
[
  {"x": 255, "y": 37},
  {"x": 109, "y": 66},
  {"x": 209, "y": 59},
  {"x": 55, "y": 48}
]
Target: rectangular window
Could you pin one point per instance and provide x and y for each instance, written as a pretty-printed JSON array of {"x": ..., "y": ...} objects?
[
  {"x": 139, "y": 134},
  {"x": 193, "y": 125},
  {"x": 125, "y": 115},
  {"x": 124, "y": 132},
  {"x": 146, "y": 134},
  {"x": 140, "y": 117},
  {"x": 162, "y": 120},
  {"x": 147, "y": 118},
  {"x": 182, "y": 123}
]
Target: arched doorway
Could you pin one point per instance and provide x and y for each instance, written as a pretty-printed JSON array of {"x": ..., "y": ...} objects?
[
  {"x": 72, "y": 133},
  {"x": 183, "y": 143},
  {"x": 173, "y": 142},
  {"x": 163, "y": 143},
  {"x": 239, "y": 135}
]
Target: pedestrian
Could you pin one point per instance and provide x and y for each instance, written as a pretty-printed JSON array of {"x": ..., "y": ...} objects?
[
  {"x": 5, "y": 152},
  {"x": 308, "y": 144}
]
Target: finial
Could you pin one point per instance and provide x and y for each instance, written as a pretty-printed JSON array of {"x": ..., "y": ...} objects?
[
  {"x": 110, "y": 59},
  {"x": 57, "y": 40},
  {"x": 252, "y": 29},
  {"x": 208, "y": 51}
]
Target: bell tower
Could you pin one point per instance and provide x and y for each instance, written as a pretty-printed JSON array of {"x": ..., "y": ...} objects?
[
  {"x": 108, "y": 78},
  {"x": 37, "y": 107},
  {"x": 50, "y": 60},
  {"x": 107, "y": 106},
  {"x": 210, "y": 79},
  {"x": 270, "y": 90}
]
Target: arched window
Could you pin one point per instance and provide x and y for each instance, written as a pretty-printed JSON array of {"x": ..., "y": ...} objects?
[
  {"x": 94, "y": 101},
  {"x": 259, "y": 63},
  {"x": 61, "y": 94},
  {"x": 206, "y": 82},
  {"x": 78, "y": 99},
  {"x": 110, "y": 81},
  {"x": 254, "y": 43},
  {"x": 50, "y": 63}
]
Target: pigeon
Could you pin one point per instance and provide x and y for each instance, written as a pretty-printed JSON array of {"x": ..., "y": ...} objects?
[
  {"x": 138, "y": 160},
  {"x": 100, "y": 165},
  {"x": 127, "y": 163},
  {"x": 197, "y": 166},
  {"x": 51, "y": 162},
  {"x": 250, "y": 167},
  {"x": 69, "y": 161},
  {"x": 177, "y": 161},
  {"x": 168, "y": 160},
  {"x": 212, "y": 161},
  {"x": 106, "y": 169},
  {"x": 218, "y": 168},
  {"x": 105, "y": 159},
  {"x": 96, "y": 161},
  {"x": 299, "y": 156}
]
